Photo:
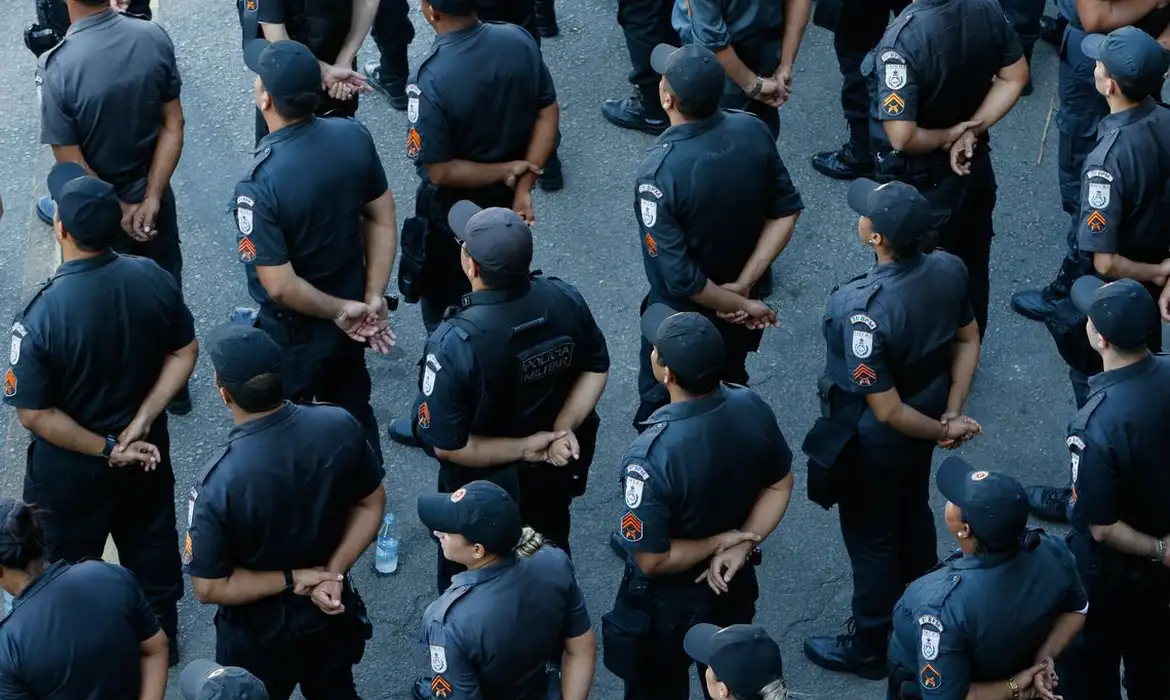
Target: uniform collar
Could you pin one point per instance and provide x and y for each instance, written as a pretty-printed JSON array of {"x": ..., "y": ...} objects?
[
  {"x": 285, "y": 133},
  {"x": 1097, "y": 382},
  {"x": 897, "y": 266},
  {"x": 91, "y": 21},
  {"x": 495, "y": 296},
  {"x": 453, "y": 37},
  {"x": 53, "y": 571},
  {"x": 689, "y": 409},
  {"x": 86, "y": 264},
  {"x": 982, "y": 561},
  {"x": 473, "y": 576},
  {"x": 1129, "y": 116},
  {"x": 690, "y": 129},
  {"x": 257, "y": 424}
]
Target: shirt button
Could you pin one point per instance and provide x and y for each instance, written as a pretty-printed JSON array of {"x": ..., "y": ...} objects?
[{"x": 1113, "y": 131}]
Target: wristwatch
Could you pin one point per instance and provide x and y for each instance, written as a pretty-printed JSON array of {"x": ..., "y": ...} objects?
[
  {"x": 1160, "y": 557},
  {"x": 111, "y": 443},
  {"x": 757, "y": 87},
  {"x": 1015, "y": 688},
  {"x": 288, "y": 580}
]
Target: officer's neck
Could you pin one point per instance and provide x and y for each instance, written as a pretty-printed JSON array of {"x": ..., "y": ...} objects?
[
  {"x": 22, "y": 579},
  {"x": 70, "y": 252},
  {"x": 449, "y": 25},
  {"x": 1119, "y": 103},
  {"x": 484, "y": 563},
  {"x": 1112, "y": 360},
  {"x": 239, "y": 416},
  {"x": 680, "y": 395},
  {"x": 78, "y": 11},
  {"x": 276, "y": 122}
]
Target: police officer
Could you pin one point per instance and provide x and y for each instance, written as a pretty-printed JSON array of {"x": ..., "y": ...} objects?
[
  {"x": 989, "y": 620},
  {"x": 1122, "y": 226},
  {"x": 317, "y": 245},
  {"x": 510, "y": 379},
  {"x": 1117, "y": 443},
  {"x": 333, "y": 31},
  {"x": 512, "y": 583},
  {"x": 690, "y": 525},
  {"x": 902, "y": 347},
  {"x": 857, "y": 27},
  {"x": 685, "y": 212},
  {"x": 392, "y": 32},
  {"x": 75, "y": 630},
  {"x": 645, "y": 24},
  {"x": 1081, "y": 110},
  {"x": 53, "y": 21},
  {"x": 757, "y": 45},
  {"x": 95, "y": 87},
  {"x": 932, "y": 118},
  {"x": 207, "y": 680},
  {"x": 96, "y": 356},
  {"x": 742, "y": 662},
  {"x": 314, "y": 495}
]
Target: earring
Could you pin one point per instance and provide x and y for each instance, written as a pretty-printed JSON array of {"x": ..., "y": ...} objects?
[{"x": 873, "y": 241}]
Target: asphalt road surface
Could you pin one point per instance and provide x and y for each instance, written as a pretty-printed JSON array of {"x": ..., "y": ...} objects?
[{"x": 587, "y": 235}]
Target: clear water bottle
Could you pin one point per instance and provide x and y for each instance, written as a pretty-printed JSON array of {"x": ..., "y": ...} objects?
[{"x": 386, "y": 549}]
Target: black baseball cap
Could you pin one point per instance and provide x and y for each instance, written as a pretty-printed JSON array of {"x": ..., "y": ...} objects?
[
  {"x": 993, "y": 503},
  {"x": 742, "y": 657},
  {"x": 481, "y": 511},
  {"x": 239, "y": 353},
  {"x": 692, "y": 72},
  {"x": 496, "y": 238},
  {"x": 1123, "y": 312},
  {"x": 88, "y": 207},
  {"x": 457, "y": 8},
  {"x": 207, "y": 680},
  {"x": 1130, "y": 55},
  {"x": 687, "y": 342},
  {"x": 287, "y": 68},
  {"x": 898, "y": 211}
]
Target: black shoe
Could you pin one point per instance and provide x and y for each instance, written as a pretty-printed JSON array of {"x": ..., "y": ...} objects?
[
  {"x": 429, "y": 687},
  {"x": 394, "y": 90},
  {"x": 615, "y": 546},
  {"x": 1052, "y": 30},
  {"x": 46, "y": 208},
  {"x": 181, "y": 404},
  {"x": 553, "y": 177},
  {"x": 1035, "y": 304},
  {"x": 1049, "y": 503},
  {"x": 173, "y": 651},
  {"x": 244, "y": 315},
  {"x": 844, "y": 164},
  {"x": 630, "y": 113},
  {"x": 401, "y": 431},
  {"x": 843, "y": 654},
  {"x": 546, "y": 19}
]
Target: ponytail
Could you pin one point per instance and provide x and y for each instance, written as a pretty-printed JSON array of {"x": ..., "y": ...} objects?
[
  {"x": 530, "y": 542},
  {"x": 22, "y": 537}
]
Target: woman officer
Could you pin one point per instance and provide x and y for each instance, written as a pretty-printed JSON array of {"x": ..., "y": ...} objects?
[
  {"x": 494, "y": 632},
  {"x": 902, "y": 345},
  {"x": 76, "y": 631},
  {"x": 989, "y": 621}
]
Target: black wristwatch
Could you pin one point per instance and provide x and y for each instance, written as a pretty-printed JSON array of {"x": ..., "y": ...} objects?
[
  {"x": 288, "y": 580},
  {"x": 111, "y": 443}
]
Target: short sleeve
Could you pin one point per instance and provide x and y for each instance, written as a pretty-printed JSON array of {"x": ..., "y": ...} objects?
[
  {"x": 546, "y": 91},
  {"x": 645, "y": 522},
  {"x": 1101, "y": 213},
  {"x": 207, "y": 546},
  {"x": 708, "y": 28},
  {"x": 376, "y": 183},
  {"x": 785, "y": 200},
  {"x": 260, "y": 241},
  {"x": 1095, "y": 491},
  {"x": 142, "y": 617},
  {"x": 944, "y": 661},
  {"x": 182, "y": 330},
  {"x": 1013, "y": 49},
  {"x": 367, "y": 471},
  {"x": 58, "y": 123},
  {"x": 446, "y": 400},
  {"x": 594, "y": 348},
  {"x": 780, "y": 466},
  {"x": 577, "y": 620},
  {"x": 270, "y": 11},
  {"x": 897, "y": 86},
  {"x": 30, "y": 381},
  {"x": 865, "y": 361},
  {"x": 664, "y": 243},
  {"x": 428, "y": 135},
  {"x": 1076, "y": 598},
  {"x": 172, "y": 82},
  {"x": 455, "y": 673}
]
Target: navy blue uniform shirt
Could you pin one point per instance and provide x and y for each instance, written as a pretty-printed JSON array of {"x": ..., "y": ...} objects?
[
  {"x": 75, "y": 634},
  {"x": 978, "y": 619},
  {"x": 93, "y": 340},
  {"x": 493, "y": 632},
  {"x": 301, "y": 203}
]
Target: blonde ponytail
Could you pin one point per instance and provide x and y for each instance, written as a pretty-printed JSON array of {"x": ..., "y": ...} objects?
[{"x": 530, "y": 542}]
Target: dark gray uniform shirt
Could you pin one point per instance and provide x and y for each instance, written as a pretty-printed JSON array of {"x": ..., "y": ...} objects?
[
  {"x": 717, "y": 24},
  {"x": 103, "y": 89}
]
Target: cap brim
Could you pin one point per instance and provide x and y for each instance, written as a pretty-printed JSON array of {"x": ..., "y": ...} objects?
[
  {"x": 952, "y": 475},
  {"x": 62, "y": 174},
  {"x": 858, "y": 195},
  {"x": 194, "y": 676},
  {"x": 660, "y": 57},
  {"x": 652, "y": 321},
  {"x": 1091, "y": 46},
  {"x": 1083, "y": 291},
  {"x": 698, "y": 642},
  {"x": 437, "y": 512},
  {"x": 252, "y": 51},
  {"x": 460, "y": 214}
]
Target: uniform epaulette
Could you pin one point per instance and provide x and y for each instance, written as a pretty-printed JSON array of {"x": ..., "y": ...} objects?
[
  {"x": 210, "y": 465},
  {"x": 640, "y": 448},
  {"x": 1097, "y": 156},
  {"x": 258, "y": 160},
  {"x": 652, "y": 161},
  {"x": 1080, "y": 419},
  {"x": 437, "y": 611}
]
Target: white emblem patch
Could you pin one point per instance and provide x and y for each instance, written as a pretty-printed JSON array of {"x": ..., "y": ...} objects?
[
  {"x": 636, "y": 469},
  {"x": 862, "y": 344},
  {"x": 1076, "y": 467},
  {"x": 1074, "y": 441},
  {"x": 931, "y": 620},
  {"x": 244, "y": 219},
  {"x": 895, "y": 76},
  {"x": 14, "y": 353},
  {"x": 1099, "y": 175},
  {"x": 1098, "y": 195},
  {"x": 191, "y": 507},
  {"x": 438, "y": 659},
  {"x": 862, "y": 318},
  {"x": 930, "y": 640},
  {"x": 429, "y": 373},
  {"x": 649, "y": 212},
  {"x": 634, "y": 492},
  {"x": 412, "y": 110}
]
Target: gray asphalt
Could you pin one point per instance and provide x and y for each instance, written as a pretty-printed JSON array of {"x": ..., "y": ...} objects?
[{"x": 587, "y": 235}]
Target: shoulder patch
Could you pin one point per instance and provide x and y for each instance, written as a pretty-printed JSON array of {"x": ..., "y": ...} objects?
[
  {"x": 1075, "y": 442},
  {"x": 631, "y": 527},
  {"x": 1101, "y": 174},
  {"x": 1097, "y": 195},
  {"x": 638, "y": 471},
  {"x": 924, "y": 620},
  {"x": 412, "y": 95},
  {"x": 438, "y": 659},
  {"x": 635, "y": 481},
  {"x": 647, "y": 187},
  {"x": 862, "y": 319}
]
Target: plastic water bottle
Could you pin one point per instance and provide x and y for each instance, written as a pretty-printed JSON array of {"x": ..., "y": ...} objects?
[{"x": 386, "y": 549}]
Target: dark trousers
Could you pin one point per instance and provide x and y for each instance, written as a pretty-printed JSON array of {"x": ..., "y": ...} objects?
[
  {"x": 322, "y": 364},
  {"x": 859, "y": 29},
  {"x": 888, "y": 528},
  {"x": 393, "y": 32},
  {"x": 1129, "y": 615},
  {"x": 763, "y": 57},
  {"x": 321, "y": 662},
  {"x": 86, "y": 501},
  {"x": 646, "y": 24},
  {"x": 164, "y": 248},
  {"x": 663, "y": 671}
]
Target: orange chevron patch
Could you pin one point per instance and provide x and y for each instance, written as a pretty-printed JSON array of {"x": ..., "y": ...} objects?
[
  {"x": 893, "y": 104},
  {"x": 247, "y": 250},
  {"x": 440, "y": 688},
  {"x": 864, "y": 375},
  {"x": 413, "y": 143},
  {"x": 631, "y": 528},
  {"x": 1096, "y": 222}
]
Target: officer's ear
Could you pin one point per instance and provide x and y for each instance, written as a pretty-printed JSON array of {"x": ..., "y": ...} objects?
[{"x": 664, "y": 95}]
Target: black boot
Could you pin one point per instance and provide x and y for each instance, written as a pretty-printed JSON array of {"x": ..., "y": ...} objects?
[
  {"x": 849, "y": 653},
  {"x": 1049, "y": 503},
  {"x": 1052, "y": 30},
  {"x": 851, "y": 161},
  {"x": 1039, "y": 304},
  {"x": 393, "y": 87},
  {"x": 546, "y": 19},
  {"x": 641, "y": 113}
]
